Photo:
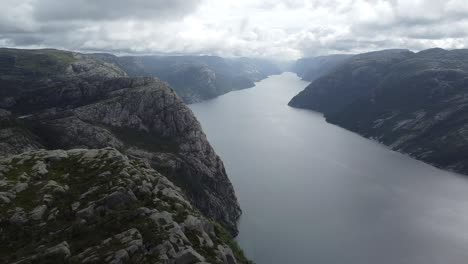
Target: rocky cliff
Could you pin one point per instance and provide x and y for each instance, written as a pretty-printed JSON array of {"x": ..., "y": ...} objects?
[
  {"x": 413, "y": 102},
  {"x": 142, "y": 118}
]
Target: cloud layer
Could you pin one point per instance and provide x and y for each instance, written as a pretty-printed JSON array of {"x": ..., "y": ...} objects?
[{"x": 283, "y": 29}]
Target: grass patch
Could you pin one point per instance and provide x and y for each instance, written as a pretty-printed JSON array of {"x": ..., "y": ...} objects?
[
  {"x": 20, "y": 64},
  {"x": 227, "y": 239}
]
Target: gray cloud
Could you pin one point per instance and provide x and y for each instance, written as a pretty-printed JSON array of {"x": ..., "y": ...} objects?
[
  {"x": 261, "y": 28},
  {"x": 65, "y": 10}
]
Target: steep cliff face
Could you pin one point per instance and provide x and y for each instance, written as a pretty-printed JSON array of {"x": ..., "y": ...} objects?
[
  {"x": 415, "y": 103},
  {"x": 99, "y": 206},
  {"x": 141, "y": 117}
]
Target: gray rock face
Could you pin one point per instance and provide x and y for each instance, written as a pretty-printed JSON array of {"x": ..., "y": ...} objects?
[
  {"x": 119, "y": 200},
  {"x": 142, "y": 117},
  {"x": 103, "y": 217},
  {"x": 85, "y": 66},
  {"x": 227, "y": 255},
  {"x": 14, "y": 138},
  {"x": 156, "y": 109},
  {"x": 38, "y": 212},
  {"x": 189, "y": 256},
  {"x": 58, "y": 253}
]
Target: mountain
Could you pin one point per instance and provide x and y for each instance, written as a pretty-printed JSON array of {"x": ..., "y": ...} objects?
[
  {"x": 415, "y": 103},
  {"x": 312, "y": 68},
  {"x": 90, "y": 112},
  {"x": 197, "y": 78},
  {"x": 357, "y": 77}
]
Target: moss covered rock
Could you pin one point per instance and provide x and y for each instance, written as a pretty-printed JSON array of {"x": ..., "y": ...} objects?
[{"x": 99, "y": 206}]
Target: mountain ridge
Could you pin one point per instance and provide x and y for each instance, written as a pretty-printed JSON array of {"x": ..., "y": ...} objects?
[
  {"x": 194, "y": 78},
  {"x": 414, "y": 103},
  {"x": 197, "y": 78}
]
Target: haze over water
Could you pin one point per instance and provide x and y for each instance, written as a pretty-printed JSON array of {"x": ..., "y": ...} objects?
[{"x": 312, "y": 192}]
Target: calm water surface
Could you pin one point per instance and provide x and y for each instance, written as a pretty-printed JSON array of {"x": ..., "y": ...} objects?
[{"x": 312, "y": 192}]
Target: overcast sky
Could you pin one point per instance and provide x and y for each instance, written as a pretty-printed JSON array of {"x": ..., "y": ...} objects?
[{"x": 282, "y": 29}]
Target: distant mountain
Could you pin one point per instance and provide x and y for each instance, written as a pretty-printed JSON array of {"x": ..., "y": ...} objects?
[
  {"x": 416, "y": 103},
  {"x": 197, "y": 78},
  {"x": 312, "y": 68},
  {"x": 193, "y": 78}
]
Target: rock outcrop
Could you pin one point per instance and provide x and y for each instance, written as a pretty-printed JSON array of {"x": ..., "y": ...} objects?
[
  {"x": 99, "y": 206},
  {"x": 415, "y": 103}
]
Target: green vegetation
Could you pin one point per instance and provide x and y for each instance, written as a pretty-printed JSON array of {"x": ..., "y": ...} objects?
[
  {"x": 227, "y": 239},
  {"x": 20, "y": 64}
]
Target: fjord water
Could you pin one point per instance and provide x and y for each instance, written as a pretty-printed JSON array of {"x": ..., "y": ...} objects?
[{"x": 312, "y": 192}]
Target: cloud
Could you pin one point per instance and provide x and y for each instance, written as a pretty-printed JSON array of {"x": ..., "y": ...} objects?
[
  {"x": 65, "y": 10},
  {"x": 285, "y": 29}
]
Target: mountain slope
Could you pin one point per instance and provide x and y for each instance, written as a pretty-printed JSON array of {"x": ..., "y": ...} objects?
[
  {"x": 415, "y": 103},
  {"x": 94, "y": 105},
  {"x": 357, "y": 77}
]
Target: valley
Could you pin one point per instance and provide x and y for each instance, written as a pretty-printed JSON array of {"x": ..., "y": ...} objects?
[{"x": 311, "y": 191}]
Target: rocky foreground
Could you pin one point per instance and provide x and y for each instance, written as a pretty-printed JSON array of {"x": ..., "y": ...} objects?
[{"x": 99, "y": 206}]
